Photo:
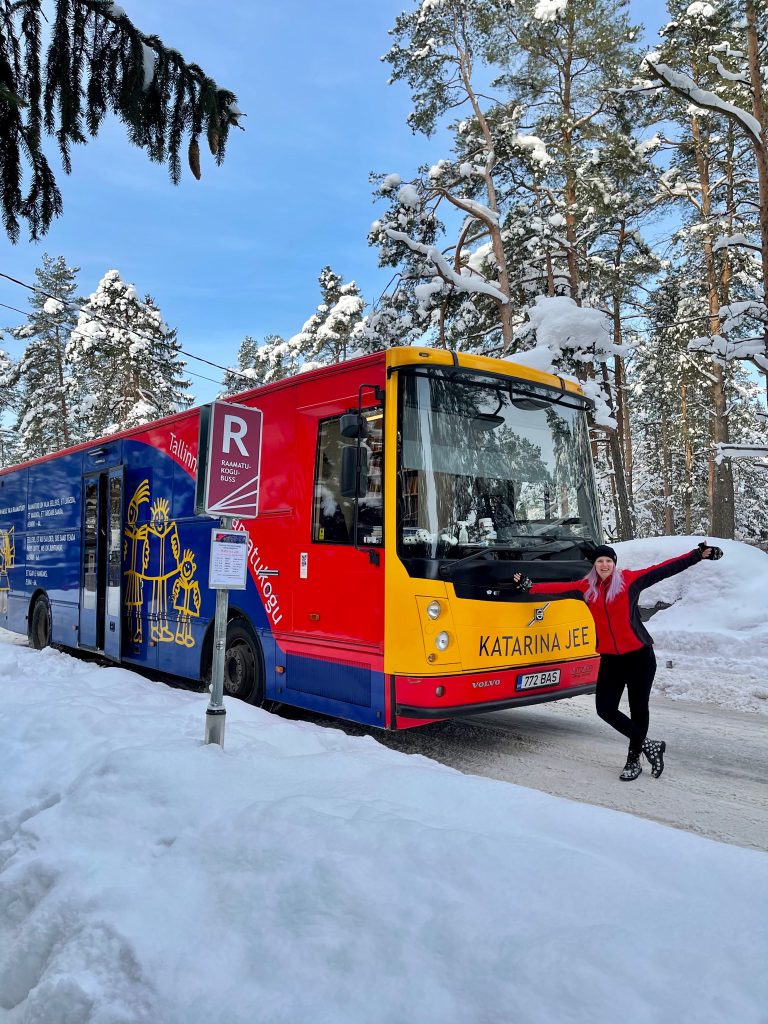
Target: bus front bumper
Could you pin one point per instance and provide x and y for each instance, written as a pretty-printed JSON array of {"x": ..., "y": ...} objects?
[{"x": 421, "y": 699}]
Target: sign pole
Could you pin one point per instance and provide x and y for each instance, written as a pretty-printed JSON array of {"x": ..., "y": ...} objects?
[
  {"x": 227, "y": 487},
  {"x": 216, "y": 713}
]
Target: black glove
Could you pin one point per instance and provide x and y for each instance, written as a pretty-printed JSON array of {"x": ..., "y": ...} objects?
[
  {"x": 715, "y": 552},
  {"x": 523, "y": 583}
]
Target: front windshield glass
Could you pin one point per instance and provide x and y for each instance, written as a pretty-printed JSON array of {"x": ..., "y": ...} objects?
[{"x": 489, "y": 463}]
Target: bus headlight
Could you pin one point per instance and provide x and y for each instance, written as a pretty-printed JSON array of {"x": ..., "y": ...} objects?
[
  {"x": 441, "y": 641},
  {"x": 434, "y": 609}
]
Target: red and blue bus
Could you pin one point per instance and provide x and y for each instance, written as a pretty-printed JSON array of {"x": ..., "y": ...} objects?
[{"x": 399, "y": 494}]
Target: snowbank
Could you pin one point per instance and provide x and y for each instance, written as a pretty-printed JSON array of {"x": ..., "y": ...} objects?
[
  {"x": 715, "y": 632},
  {"x": 301, "y": 875}
]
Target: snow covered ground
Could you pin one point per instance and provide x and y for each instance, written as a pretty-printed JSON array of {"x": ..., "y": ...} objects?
[{"x": 302, "y": 875}]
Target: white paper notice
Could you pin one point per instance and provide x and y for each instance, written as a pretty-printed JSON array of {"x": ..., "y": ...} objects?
[{"x": 229, "y": 560}]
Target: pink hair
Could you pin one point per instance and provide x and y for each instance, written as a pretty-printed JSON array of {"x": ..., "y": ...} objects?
[{"x": 615, "y": 585}]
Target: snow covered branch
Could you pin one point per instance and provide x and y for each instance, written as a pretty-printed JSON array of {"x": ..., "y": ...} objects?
[
  {"x": 686, "y": 87},
  {"x": 737, "y": 451},
  {"x": 462, "y": 282}
]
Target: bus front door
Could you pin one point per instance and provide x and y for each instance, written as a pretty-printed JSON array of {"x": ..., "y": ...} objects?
[{"x": 101, "y": 590}]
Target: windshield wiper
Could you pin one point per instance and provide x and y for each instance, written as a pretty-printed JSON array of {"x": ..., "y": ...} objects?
[{"x": 446, "y": 568}]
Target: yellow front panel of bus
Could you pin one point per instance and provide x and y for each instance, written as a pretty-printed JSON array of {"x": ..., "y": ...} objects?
[{"x": 481, "y": 634}]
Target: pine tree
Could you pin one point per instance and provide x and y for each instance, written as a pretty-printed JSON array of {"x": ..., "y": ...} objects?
[
  {"x": 329, "y": 335},
  {"x": 257, "y": 364},
  {"x": 711, "y": 180},
  {"x": 670, "y": 400},
  {"x": 123, "y": 342},
  {"x": 40, "y": 377},
  {"x": 712, "y": 62},
  {"x": 7, "y": 398},
  {"x": 549, "y": 182},
  {"x": 96, "y": 62}
]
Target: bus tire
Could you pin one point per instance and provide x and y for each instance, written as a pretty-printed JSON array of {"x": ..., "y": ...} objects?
[
  {"x": 243, "y": 664},
  {"x": 40, "y": 624}
]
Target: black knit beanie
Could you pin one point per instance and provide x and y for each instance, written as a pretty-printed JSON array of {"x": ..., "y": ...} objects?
[{"x": 602, "y": 551}]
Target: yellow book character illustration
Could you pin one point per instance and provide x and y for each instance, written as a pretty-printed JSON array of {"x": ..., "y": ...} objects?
[
  {"x": 135, "y": 541},
  {"x": 186, "y": 598},
  {"x": 7, "y": 561},
  {"x": 161, "y": 532}
]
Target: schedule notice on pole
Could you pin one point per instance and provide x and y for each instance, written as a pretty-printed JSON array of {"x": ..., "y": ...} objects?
[
  {"x": 228, "y": 568},
  {"x": 228, "y": 470}
]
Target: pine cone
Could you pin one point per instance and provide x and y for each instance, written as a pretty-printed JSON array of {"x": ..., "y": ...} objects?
[{"x": 194, "y": 158}]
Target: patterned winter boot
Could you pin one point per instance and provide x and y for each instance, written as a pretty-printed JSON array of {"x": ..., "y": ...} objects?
[
  {"x": 654, "y": 751},
  {"x": 632, "y": 768}
]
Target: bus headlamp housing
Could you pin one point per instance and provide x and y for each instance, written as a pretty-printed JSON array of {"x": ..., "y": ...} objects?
[
  {"x": 433, "y": 609},
  {"x": 442, "y": 640}
]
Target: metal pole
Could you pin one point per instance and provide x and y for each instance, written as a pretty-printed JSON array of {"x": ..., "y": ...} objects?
[{"x": 215, "y": 714}]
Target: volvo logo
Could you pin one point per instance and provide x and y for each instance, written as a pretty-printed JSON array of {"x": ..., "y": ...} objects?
[{"x": 538, "y": 615}]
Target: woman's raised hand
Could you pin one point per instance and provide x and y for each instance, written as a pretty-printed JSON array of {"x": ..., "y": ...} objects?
[{"x": 710, "y": 551}]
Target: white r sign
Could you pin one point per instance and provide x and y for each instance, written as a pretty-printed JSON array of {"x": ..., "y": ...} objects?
[{"x": 235, "y": 429}]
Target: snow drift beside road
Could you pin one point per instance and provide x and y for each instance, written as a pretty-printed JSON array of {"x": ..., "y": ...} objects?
[
  {"x": 301, "y": 875},
  {"x": 715, "y": 631}
]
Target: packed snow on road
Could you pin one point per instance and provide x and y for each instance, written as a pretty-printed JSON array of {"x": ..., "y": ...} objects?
[{"x": 301, "y": 874}]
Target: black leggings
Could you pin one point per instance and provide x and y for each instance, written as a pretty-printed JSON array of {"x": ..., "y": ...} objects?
[{"x": 635, "y": 671}]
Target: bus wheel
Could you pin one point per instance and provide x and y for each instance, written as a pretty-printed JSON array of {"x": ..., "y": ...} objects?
[
  {"x": 243, "y": 676},
  {"x": 40, "y": 625}
]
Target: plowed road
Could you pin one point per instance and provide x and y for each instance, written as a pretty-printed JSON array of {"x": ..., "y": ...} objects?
[{"x": 715, "y": 782}]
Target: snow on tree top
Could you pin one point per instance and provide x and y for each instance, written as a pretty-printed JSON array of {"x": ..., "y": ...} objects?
[
  {"x": 535, "y": 146},
  {"x": 548, "y": 10},
  {"x": 391, "y": 182},
  {"x": 700, "y": 10},
  {"x": 408, "y": 196}
]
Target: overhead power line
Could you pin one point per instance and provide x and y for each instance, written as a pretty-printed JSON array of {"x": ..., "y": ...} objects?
[
  {"x": 105, "y": 345},
  {"x": 118, "y": 326}
]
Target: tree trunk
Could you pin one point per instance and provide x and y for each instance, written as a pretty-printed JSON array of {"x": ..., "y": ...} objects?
[
  {"x": 666, "y": 484},
  {"x": 721, "y": 513},
  {"x": 688, "y": 457},
  {"x": 624, "y": 525},
  {"x": 761, "y": 149},
  {"x": 622, "y": 403}
]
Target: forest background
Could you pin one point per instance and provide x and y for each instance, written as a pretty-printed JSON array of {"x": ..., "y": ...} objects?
[{"x": 597, "y": 208}]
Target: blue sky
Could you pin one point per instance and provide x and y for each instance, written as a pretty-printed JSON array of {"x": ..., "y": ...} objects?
[{"x": 239, "y": 252}]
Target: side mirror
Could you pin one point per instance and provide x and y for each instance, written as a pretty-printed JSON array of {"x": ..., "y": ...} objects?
[
  {"x": 349, "y": 471},
  {"x": 352, "y": 425}
]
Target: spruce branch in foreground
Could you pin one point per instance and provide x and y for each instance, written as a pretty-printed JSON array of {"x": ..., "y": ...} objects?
[{"x": 96, "y": 62}]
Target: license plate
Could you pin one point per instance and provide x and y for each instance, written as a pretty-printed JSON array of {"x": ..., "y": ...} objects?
[{"x": 535, "y": 679}]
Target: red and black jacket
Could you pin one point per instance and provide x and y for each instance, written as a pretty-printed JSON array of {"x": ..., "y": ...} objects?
[{"x": 617, "y": 624}]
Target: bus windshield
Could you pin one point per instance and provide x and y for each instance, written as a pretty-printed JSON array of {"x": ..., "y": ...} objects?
[{"x": 485, "y": 462}]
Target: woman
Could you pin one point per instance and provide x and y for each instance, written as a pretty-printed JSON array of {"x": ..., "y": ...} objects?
[{"x": 624, "y": 644}]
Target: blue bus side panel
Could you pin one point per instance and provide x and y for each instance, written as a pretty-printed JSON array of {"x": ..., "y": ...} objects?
[
  {"x": 166, "y": 554},
  {"x": 13, "y": 521},
  {"x": 167, "y": 605},
  {"x": 40, "y": 530},
  {"x": 54, "y": 510}
]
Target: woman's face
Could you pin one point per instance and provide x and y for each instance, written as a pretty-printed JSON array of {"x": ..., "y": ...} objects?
[{"x": 604, "y": 566}]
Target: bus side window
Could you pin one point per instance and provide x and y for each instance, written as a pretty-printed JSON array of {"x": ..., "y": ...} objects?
[{"x": 331, "y": 514}]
